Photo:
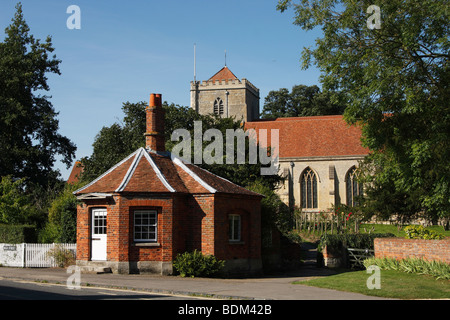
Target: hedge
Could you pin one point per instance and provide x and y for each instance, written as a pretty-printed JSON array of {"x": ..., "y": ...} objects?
[
  {"x": 351, "y": 240},
  {"x": 13, "y": 233}
]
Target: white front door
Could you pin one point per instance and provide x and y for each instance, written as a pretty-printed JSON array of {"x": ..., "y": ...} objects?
[{"x": 98, "y": 239}]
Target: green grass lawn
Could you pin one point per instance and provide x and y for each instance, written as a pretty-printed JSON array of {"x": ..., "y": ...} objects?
[
  {"x": 374, "y": 228},
  {"x": 390, "y": 228},
  {"x": 394, "y": 284}
]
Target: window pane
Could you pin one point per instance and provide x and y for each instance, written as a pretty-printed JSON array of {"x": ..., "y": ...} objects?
[
  {"x": 308, "y": 193},
  {"x": 353, "y": 188},
  {"x": 308, "y": 189},
  {"x": 349, "y": 191},
  {"x": 145, "y": 225},
  {"x": 314, "y": 192},
  {"x": 234, "y": 231},
  {"x": 303, "y": 194}
]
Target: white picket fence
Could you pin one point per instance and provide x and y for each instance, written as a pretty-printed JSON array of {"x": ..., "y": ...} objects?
[{"x": 31, "y": 255}]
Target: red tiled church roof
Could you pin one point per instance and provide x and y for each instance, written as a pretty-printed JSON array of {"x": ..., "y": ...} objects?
[
  {"x": 147, "y": 171},
  {"x": 318, "y": 136},
  {"x": 223, "y": 74}
]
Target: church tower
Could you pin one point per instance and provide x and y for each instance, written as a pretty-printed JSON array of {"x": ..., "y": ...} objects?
[{"x": 227, "y": 96}]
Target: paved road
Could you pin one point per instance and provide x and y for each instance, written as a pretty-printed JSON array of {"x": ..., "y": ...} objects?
[
  {"x": 28, "y": 290},
  {"x": 277, "y": 288}
]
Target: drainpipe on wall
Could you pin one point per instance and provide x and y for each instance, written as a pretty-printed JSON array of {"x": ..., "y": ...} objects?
[{"x": 226, "y": 101}]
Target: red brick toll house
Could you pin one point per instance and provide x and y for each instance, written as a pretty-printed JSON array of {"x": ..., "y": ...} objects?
[{"x": 151, "y": 206}]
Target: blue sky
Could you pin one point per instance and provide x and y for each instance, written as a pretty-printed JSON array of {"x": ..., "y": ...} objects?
[{"x": 126, "y": 50}]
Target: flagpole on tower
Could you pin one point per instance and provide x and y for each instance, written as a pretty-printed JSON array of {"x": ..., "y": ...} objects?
[{"x": 194, "y": 62}]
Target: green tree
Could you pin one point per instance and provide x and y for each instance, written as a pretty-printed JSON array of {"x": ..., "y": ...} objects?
[
  {"x": 395, "y": 80},
  {"x": 302, "y": 101},
  {"x": 29, "y": 138},
  {"x": 61, "y": 224},
  {"x": 274, "y": 212},
  {"x": 242, "y": 174},
  {"x": 114, "y": 143},
  {"x": 117, "y": 141},
  {"x": 14, "y": 203},
  {"x": 109, "y": 147}
]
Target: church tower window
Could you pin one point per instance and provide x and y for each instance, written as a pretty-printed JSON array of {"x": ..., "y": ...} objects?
[
  {"x": 308, "y": 182},
  {"x": 218, "y": 106}
]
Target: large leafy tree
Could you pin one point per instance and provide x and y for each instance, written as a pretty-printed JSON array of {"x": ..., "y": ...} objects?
[
  {"x": 117, "y": 141},
  {"x": 14, "y": 205},
  {"x": 29, "y": 138},
  {"x": 395, "y": 81},
  {"x": 302, "y": 101}
]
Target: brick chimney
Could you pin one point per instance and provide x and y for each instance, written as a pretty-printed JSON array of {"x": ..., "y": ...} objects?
[{"x": 154, "y": 136}]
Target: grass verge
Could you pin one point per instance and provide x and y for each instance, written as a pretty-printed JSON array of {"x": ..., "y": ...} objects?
[
  {"x": 396, "y": 230},
  {"x": 394, "y": 284}
]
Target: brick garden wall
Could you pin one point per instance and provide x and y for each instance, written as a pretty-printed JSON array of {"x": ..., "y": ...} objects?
[{"x": 400, "y": 248}]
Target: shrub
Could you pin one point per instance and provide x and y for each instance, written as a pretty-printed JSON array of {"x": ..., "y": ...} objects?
[
  {"x": 51, "y": 233},
  {"x": 437, "y": 269},
  {"x": 195, "y": 264},
  {"x": 419, "y": 232},
  {"x": 62, "y": 215},
  {"x": 63, "y": 257}
]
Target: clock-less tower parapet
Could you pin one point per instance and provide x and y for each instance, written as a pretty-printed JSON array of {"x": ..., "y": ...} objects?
[{"x": 227, "y": 96}]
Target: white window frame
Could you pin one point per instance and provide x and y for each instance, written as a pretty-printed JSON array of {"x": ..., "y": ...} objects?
[
  {"x": 144, "y": 223},
  {"x": 233, "y": 234}
]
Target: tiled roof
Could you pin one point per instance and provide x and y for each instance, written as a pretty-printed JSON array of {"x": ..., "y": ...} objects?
[
  {"x": 318, "y": 136},
  {"x": 146, "y": 171},
  {"x": 223, "y": 74},
  {"x": 76, "y": 172}
]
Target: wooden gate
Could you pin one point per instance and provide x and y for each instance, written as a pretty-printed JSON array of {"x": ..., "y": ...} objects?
[{"x": 357, "y": 256}]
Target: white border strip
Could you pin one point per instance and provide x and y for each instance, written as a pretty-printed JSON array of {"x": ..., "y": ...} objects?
[
  {"x": 95, "y": 195},
  {"x": 180, "y": 163},
  {"x": 107, "y": 172},
  {"x": 130, "y": 171},
  {"x": 158, "y": 172}
]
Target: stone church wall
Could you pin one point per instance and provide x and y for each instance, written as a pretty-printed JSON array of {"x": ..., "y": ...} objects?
[{"x": 331, "y": 175}]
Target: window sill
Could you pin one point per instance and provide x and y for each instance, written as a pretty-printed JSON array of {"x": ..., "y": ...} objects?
[
  {"x": 236, "y": 242},
  {"x": 147, "y": 244},
  {"x": 311, "y": 210}
]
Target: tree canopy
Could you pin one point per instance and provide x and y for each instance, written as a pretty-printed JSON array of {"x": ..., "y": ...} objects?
[
  {"x": 395, "y": 80},
  {"x": 117, "y": 141},
  {"x": 29, "y": 138},
  {"x": 302, "y": 101}
]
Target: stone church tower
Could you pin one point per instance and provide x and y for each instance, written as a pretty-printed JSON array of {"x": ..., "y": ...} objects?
[{"x": 227, "y": 96}]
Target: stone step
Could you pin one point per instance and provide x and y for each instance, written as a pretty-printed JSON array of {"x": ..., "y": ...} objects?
[{"x": 95, "y": 269}]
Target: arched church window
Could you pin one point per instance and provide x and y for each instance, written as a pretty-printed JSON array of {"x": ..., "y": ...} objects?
[
  {"x": 218, "y": 106},
  {"x": 353, "y": 187},
  {"x": 308, "y": 184}
]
